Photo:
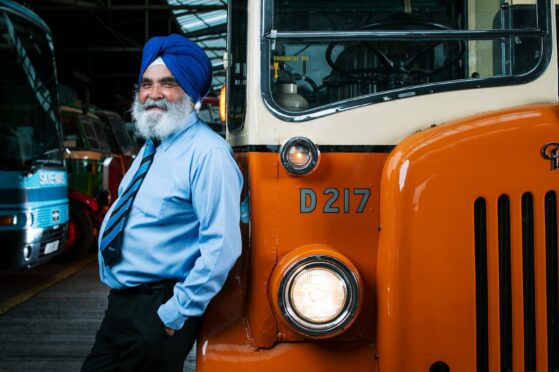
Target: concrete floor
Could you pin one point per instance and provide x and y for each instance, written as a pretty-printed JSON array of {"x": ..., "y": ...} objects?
[{"x": 54, "y": 329}]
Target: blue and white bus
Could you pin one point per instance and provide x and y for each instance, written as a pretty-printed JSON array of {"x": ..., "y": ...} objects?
[{"x": 33, "y": 178}]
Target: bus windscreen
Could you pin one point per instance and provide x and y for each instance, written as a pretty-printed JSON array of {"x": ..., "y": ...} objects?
[
  {"x": 330, "y": 53},
  {"x": 28, "y": 96}
]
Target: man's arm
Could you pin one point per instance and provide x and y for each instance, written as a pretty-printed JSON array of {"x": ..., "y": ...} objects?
[{"x": 216, "y": 187}]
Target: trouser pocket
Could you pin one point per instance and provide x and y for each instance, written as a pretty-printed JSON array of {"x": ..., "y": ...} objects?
[{"x": 146, "y": 319}]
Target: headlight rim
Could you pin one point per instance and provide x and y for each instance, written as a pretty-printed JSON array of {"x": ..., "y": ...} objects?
[
  {"x": 313, "y": 149},
  {"x": 340, "y": 322}
]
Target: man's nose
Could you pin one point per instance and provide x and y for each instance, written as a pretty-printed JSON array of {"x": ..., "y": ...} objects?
[{"x": 155, "y": 92}]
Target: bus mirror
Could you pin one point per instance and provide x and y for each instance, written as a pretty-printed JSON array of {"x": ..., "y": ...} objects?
[{"x": 107, "y": 172}]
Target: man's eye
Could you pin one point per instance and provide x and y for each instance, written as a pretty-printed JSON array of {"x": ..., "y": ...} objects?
[
  {"x": 169, "y": 84},
  {"x": 145, "y": 85}
]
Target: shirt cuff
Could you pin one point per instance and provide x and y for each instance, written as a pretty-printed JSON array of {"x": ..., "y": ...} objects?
[{"x": 170, "y": 315}]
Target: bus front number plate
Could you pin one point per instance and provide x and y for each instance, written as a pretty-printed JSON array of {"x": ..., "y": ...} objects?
[
  {"x": 51, "y": 247},
  {"x": 351, "y": 200}
]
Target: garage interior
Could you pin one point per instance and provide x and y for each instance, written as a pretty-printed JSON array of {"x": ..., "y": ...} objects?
[{"x": 98, "y": 43}]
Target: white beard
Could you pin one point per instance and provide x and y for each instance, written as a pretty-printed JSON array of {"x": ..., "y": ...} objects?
[{"x": 160, "y": 124}]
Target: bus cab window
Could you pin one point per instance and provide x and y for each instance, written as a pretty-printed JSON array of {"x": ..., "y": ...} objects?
[
  {"x": 71, "y": 130},
  {"x": 377, "y": 51}
]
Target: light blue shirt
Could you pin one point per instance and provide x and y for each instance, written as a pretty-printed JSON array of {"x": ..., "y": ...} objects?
[{"x": 184, "y": 222}]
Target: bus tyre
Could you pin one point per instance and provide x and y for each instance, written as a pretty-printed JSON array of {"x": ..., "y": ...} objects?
[{"x": 80, "y": 234}]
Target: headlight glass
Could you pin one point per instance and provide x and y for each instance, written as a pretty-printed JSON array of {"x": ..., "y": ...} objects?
[
  {"x": 16, "y": 219},
  {"x": 319, "y": 295},
  {"x": 299, "y": 156},
  {"x": 8, "y": 220}
]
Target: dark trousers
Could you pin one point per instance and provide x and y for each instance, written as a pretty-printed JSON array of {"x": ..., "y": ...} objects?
[{"x": 132, "y": 337}]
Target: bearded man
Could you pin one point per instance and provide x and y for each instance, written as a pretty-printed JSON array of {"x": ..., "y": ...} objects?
[{"x": 168, "y": 242}]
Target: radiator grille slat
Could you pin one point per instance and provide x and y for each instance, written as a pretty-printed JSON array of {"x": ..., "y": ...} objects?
[
  {"x": 531, "y": 286},
  {"x": 482, "y": 323},
  {"x": 505, "y": 283},
  {"x": 551, "y": 281}
]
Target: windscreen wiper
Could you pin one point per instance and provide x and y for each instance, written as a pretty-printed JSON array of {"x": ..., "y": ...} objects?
[{"x": 40, "y": 162}]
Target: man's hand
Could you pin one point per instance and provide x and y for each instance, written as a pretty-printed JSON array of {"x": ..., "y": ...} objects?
[{"x": 169, "y": 331}]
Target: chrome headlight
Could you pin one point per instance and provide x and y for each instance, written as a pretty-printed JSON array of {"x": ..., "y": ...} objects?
[
  {"x": 318, "y": 295},
  {"x": 299, "y": 155}
]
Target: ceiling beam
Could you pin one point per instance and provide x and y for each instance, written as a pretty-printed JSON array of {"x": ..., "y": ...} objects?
[
  {"x": 84, "y": 5},
  {"x": 210, "y": 37},
  {"x": 119, "y": 49},
  {"x": 109, "y": 75},
  {"x": 100, "y": 49},
  {"x": 218, "y": 29}
]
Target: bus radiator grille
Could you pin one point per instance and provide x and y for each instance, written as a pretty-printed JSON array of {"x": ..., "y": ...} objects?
[
  {"x": 517, "y": 264},
  {"x": 50, "y": 235},
  {"x": 44, "y": 216}
]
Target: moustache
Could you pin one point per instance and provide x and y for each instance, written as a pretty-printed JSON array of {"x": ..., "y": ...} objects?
[{"x": 151, "y": 103}]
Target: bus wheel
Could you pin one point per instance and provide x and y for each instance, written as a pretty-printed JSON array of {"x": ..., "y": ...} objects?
[{"x": 80, "y": 233}]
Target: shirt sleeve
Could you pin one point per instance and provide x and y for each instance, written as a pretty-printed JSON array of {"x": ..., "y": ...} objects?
[{"x": 216, "y": 186}]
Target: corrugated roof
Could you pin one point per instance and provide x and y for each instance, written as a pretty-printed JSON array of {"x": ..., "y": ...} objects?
[{"x": 207, "y": 28}]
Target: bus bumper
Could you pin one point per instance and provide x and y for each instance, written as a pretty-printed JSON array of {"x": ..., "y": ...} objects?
[
  {"x": 30, "y": 247},
  {"x": 348, "y": 356}
]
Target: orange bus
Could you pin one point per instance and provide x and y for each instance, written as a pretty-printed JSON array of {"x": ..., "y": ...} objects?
[{"x": 401, "y": 169}]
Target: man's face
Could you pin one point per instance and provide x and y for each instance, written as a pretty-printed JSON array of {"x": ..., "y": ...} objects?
[
  {"x": 161, "y": 106},
  {"x": 158, "y": 83}
]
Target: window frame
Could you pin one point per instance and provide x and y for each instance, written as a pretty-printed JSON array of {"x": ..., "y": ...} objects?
[
  {"x": 238, "y": 123},
  {"x": 270, "y": 36}
]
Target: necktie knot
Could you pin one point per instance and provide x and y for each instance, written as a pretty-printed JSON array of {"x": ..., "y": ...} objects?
[{"x": 152, "y": 142}]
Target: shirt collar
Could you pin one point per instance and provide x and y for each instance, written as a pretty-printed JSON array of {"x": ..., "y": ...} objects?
[{"x": 167, "y": 141}]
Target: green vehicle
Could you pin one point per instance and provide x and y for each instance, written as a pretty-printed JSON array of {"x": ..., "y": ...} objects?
[{"x": 88, "y": 159}]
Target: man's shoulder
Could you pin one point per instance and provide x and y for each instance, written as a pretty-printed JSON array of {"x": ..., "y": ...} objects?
[{"x": 207, "y": 139}]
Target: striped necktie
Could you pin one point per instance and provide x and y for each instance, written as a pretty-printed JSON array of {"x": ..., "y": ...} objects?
[{"x": 112, "y": 234}]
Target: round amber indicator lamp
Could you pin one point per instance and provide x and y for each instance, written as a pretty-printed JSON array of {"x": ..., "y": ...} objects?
[
  {"x": 299, "y": 155},
  {"x": 8, "y": 220}
]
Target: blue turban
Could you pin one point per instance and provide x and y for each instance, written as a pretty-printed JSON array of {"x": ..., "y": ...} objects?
[{"x": 188, "y": 63}]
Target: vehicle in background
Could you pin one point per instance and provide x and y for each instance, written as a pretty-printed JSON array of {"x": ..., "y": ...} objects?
[
  {"x": 137, "y": 140},
  {"x": 209, "y": 113},
  {"x": 88, "y": 158},
  {"x": 122, "y": 151},
  {"x": 33, "y": 179},
  {"x": 121, "y": 137},
  {"x": 401, "y": 163}
]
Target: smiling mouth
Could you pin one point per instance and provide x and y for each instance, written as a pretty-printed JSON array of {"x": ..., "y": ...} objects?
[{"x": 155, "y": 108}]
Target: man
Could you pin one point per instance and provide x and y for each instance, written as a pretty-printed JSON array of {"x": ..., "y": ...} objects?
[{"x": 170, "y": 239}]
